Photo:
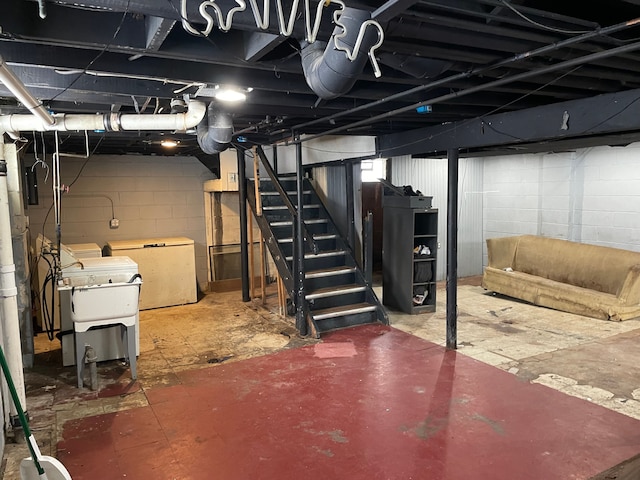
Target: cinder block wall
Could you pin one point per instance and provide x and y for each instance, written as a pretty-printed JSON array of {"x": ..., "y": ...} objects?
[
  {"x": 590, "y": 196},
  {"x": 153, "y": 196}
]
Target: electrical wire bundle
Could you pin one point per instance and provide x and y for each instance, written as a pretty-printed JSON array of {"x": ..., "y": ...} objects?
[{"x": 47, "y": 295}]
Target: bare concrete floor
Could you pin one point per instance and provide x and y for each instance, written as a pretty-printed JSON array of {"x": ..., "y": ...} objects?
[{"x": 587, "y": 358}]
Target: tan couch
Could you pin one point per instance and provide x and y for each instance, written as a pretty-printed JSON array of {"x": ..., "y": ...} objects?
[{"x": 590, "y": 280}]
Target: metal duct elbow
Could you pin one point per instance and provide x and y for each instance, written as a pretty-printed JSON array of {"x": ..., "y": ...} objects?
[
  {"x": 215, "y": 131},
  {"x": 328, "y": 70}
]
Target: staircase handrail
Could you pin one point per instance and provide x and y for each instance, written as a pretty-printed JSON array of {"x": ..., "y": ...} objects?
[{"x": 285, "y": 198}]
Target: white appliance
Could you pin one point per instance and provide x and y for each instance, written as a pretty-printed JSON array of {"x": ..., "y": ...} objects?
[
  {"x": 84, "y": 250},
  {"x": 167, "y": 266},
  {"x": 87, "y": 272},
  {"x": 69, "y": 254}
]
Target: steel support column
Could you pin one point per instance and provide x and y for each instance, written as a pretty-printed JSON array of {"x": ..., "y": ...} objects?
[
  {"x": 301, "y": 321},
  {"x": 351, "y": 224},
  {"x": 452, "y": 249},
  {"x": 244, "y": 251}
]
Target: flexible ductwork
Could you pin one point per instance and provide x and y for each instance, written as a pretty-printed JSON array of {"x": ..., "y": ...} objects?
[
  {"x": 328, "y": 71},
  {"x": 111, "y": 122},
  {"x": 215, "y": 131}
]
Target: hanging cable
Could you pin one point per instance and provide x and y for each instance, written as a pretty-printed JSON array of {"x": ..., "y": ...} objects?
[
  {"x": 533, "y": 22},
  {"x": 95, "y": 59}
]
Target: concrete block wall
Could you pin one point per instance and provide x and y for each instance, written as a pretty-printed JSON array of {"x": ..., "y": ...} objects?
[
  {"x": 153, "y": 196},
  {"x": 590, "y": 196}
]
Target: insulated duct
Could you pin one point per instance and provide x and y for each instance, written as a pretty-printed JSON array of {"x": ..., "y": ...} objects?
[
  {"x": 327, "y": 70},
  {"x": 111, "y": 122},
  {"x": 215, "y": 131}
]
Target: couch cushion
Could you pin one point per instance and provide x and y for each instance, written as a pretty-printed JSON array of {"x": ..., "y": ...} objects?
[
  {"x": 560, "y": 296},
  {"x": 602, "y": 269}
]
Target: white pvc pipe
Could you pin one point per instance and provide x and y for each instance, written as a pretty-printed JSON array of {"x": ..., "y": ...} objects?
[
  {"x": 15, "y": 85},
  {"x": 109, "y": 121},
  {"x": 8, "y": 293}
]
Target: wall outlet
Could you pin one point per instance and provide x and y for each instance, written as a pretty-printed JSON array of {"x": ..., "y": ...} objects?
[{"x": 114, "y": 223}]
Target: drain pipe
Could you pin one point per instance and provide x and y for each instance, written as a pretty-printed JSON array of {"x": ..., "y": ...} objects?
[
  {"x": 329, "y": 71},
  {"x": 91, "y": 358},
  {"x": 10, "y": 324},
  {"x": 15, "y": 85},
  {"x": 215, "y": 131},
  {"x": 111, "y": 122}
]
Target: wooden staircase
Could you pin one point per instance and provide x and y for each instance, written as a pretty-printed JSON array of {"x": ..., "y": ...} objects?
[{"x": 336, "y": 293}]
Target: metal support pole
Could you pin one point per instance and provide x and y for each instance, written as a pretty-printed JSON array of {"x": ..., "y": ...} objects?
[
  {"x": 351, "y": 223},
  {"x": 301, "y": 321},
  {"x": 244, "y": 253},
  {"x": 368, "y": 248},
  {"x": 452, "y": 249},
  {"x": 275, "y": 159}
]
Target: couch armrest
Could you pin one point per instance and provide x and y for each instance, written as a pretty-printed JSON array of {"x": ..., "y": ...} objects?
[
  {"x": 629, "y": 294},
  {"x": 502, "y": 251}
]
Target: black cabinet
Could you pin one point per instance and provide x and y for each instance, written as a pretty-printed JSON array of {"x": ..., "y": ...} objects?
[{"x": 409, "y": 250}]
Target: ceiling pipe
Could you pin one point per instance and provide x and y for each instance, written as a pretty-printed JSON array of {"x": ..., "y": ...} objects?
[
  {"x": 215, "y": 131},
  {"x": 15, "y": 85},
  {"x": 110, "y": 122},
  {"x": 328, "y": 70},
  {"x": 479, "y": 70}
]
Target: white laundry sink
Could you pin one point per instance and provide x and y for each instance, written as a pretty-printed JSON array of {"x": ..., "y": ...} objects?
[{"x": 90, "y": 303}]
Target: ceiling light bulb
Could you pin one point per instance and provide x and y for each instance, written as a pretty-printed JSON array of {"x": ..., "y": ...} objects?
[
  {"x": 169, "y": 143},
  {"x": 229, "y": 94}
]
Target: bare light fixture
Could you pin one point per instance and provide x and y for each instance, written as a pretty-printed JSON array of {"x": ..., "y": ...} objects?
[
  {"x": 229, "y": 93},
  {"x": 169, "y": 143}
]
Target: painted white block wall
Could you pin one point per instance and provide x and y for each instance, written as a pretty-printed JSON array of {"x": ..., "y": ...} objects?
[
  {"x": 590, "y": 195},
  {"x": 153, "y": 196}
]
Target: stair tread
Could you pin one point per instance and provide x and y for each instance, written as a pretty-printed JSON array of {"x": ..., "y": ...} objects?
[
  {"x": 327, "y": 272},
  {"x": 333, "y": 291},
  {"x": 289, "y": 192},
  {"x": 284, "y": 207},
  {"x": 324, "y": 236},
  {"x": 340, "y": 311},
  {"x": 290, "y": 222},
  {"x": 328, "y": 253}
]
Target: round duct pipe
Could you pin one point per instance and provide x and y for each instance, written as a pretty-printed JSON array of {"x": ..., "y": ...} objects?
[
  {"x": 327, "y": 70},
  {"x": 215, "y": 131}
]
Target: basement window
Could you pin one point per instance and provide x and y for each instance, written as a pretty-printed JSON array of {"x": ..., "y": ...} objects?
[{"x": 374, "y": 169}]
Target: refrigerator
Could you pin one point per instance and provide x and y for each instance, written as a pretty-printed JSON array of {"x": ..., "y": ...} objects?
[{"x": 167, "y": 266}]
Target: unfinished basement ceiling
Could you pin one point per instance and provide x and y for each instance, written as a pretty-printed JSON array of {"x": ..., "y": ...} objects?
[{"x": 136, "y": 56}]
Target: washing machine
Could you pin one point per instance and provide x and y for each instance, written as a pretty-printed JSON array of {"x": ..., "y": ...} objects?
[{"x": 107, "y": 342}]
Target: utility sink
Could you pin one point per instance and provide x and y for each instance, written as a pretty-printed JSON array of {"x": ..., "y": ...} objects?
[{"x": 91, "y": 303}]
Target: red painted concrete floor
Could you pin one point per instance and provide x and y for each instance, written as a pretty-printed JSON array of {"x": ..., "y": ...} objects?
[{"x": 367, "y": 403}]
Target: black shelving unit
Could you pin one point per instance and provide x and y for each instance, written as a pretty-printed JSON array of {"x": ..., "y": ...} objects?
[{"x": 409, "y": 223}]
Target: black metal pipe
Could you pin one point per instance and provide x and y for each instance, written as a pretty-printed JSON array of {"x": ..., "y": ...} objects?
[
  {"x": 301, "y": 321},
  {"x": 368, "y": 248},
  {"x": 351, "y": 224},
  {"x": 452, "y": 249},
  {"x": 472, "y": 72},
  {"x": 244, "y": 250},
  {"x": 275, "y": 159}
]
